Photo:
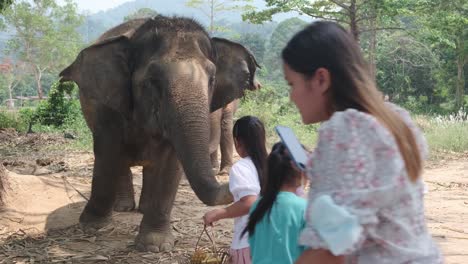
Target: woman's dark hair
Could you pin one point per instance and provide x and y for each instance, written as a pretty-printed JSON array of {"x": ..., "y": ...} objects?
[
  {"x": 279, "y": 172},
  {"x": 325, "y": 44},
  {"x": 250, "y": 132}
]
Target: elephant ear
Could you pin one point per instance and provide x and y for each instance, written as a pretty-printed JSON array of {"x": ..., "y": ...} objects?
[
  {"x": 235, "y": 72},
  {"x": 103, "y": 75}
]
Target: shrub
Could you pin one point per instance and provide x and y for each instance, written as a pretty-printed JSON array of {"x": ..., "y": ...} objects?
[
  {"x": 9, "y": 120},
  {"x": 57, "y": 108}
]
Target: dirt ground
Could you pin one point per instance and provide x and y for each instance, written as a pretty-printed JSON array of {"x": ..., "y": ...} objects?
[{"x": 48, "y": 186}]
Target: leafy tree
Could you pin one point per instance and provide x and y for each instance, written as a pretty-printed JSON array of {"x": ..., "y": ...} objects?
[
  {"x": 213, "y": 8},
  {"x": 406, "y": 68},
  {"x": 46, "y": 37},
  {"x": 277, "y": 42},
  {"x": 446, "y": 25},
  {"x": 141, "y": 13},
  {"x": 360, "y": 16},
  {"x": 356, "y": 14},
  {"x": 255, "y": 43},
  {"x": 12, "y": 73},
  {"x": 4, "y": 4},
  {"x": 57, "y": 108}
]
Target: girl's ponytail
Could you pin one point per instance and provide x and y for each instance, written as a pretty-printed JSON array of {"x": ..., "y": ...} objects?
[{"x": 279, "y": 171}]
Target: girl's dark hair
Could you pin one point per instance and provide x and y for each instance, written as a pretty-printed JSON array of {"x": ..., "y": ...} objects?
[
  {"x": 250, "y": 132},
  {"x": 325, "y": 44},
  {"x": 279, "y": 171}
]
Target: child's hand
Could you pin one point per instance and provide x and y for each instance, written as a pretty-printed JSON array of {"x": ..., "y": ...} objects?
[{"x": 212, "y": 216}]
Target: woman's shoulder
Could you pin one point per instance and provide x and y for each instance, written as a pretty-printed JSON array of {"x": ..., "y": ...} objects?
[
  {"x": 351, "y": 123},
  {"x": 352, "y": 119}
]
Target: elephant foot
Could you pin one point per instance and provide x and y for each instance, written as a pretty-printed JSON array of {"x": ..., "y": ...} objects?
[
  {"x": 91, "y": 224},
  {"x": 126, "y": 204},
  {"x": 154, "y": 241}
]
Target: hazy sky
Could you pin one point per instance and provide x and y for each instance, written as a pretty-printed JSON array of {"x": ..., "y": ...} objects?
[{"x": 96, "y": 5}]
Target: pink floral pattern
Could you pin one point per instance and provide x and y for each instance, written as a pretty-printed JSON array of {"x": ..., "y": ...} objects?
[{"x": 357, "y": 163}]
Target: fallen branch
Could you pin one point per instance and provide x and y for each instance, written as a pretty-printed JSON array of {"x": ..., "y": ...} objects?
[{"x": 80, "y": 193}]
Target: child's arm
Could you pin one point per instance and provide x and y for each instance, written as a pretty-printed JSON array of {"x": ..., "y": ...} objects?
[
  {"x": 319, "y": 256},
  {"x": 236, "y": 209}
]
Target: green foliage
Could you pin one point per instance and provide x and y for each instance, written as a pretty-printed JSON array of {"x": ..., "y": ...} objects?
[
  {"x": 273, "y": 107},
  {"x": 255, "y": 43},
  {"x": 212, "y": 9},
  {"x": 46, "y": 36},
  {"x": 141, "y": 13},
  {"x": 10, "y": 119},
  {"x": 277, "y": 42},
  {"x": 444, "y": 24},
  {"x": 406, "y": 71},
  {"x": 445, "y": 133},
  {"x": 355, "y": 14},
  {"x": 58, "y": 108},
  {"x": 75, "y": 124},
  {"x": 4, "y": 4}
]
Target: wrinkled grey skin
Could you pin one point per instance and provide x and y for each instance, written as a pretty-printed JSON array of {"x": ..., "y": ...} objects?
[
  {"x": 241, "y": 64},
  {"x": 221, "y": 124},
  {"x": 146, "y": 90}
]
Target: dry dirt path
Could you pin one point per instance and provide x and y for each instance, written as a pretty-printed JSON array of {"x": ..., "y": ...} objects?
[{"x": 447, "y": 208}]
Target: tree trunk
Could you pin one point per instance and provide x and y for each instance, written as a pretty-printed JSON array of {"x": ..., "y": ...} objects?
[
  {"x": 372, "y": 48},
  {"x": 352, "y": 22},
  {"x": 460, "y": 92},
  {"x": 11, "y": 103},
  {"x": 38, "y": 77}
]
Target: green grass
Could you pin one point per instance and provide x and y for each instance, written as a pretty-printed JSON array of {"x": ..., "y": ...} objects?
[
  {"x": 445, "y": 133},
  {"x": 280, "y": 112},
  {"x": 11, "y": 119}
]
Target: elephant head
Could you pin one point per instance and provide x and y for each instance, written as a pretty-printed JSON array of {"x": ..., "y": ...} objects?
[
  {"x": 235, "y": 72},
  {"x": 158, "y": 75}
]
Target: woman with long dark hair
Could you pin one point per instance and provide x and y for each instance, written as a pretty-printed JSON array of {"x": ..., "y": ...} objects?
[{"x": 365, "y": 204}]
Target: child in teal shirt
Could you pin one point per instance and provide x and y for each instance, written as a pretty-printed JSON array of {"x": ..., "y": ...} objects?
[{"x": 277, "y": 218}]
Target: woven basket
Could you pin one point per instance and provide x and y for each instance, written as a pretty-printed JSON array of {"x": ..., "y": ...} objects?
[{"x": 208, "y": 255}]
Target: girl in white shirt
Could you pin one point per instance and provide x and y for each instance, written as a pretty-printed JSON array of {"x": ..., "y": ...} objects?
[{"x": 245, "y": 181}]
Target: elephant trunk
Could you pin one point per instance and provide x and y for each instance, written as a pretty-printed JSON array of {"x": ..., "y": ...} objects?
[{"x": 189, "y": 132}]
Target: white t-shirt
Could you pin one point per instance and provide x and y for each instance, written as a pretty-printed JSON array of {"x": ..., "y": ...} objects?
[{"x": 243, "y": 181}]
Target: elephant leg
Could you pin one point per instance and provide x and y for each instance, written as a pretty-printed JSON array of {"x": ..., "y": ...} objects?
[
  {"x": 215, "y": 136},
  {"x": 98, "y": 210},
  {"x": 227, "y": 142},
  {"x": 160, "y": 181},
  {"x": 125, "y": 198},
  {"x": 145, "y": 196},
  {"x": 110, "y": 165}
]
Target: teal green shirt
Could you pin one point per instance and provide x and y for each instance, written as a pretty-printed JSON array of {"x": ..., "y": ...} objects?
[{"x": 275, "y": 239}]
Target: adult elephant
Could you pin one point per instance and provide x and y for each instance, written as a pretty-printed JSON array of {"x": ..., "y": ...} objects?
[
  {"x": 233, "y": 57},
  {"x": 146, "y": 91}
]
